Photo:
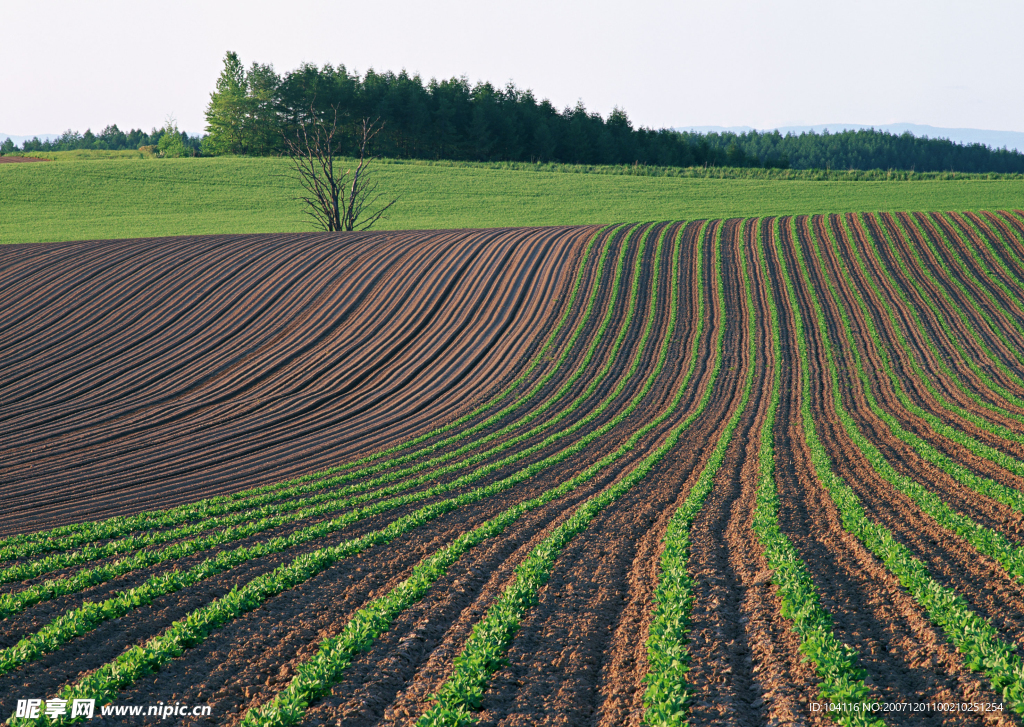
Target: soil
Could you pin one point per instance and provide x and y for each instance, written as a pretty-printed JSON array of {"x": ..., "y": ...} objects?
[{"x": 147, "y": 373}]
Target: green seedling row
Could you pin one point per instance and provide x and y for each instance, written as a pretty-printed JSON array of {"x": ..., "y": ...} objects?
[
  {"x": 462, "y": 693},
  {"x": 990, "y": 357},
  {"x": 974, "y": 637},
  {"x": 666, "y": 698},
  {"x": 316, "y": 677},
  {"x": 916, "y": 359}
]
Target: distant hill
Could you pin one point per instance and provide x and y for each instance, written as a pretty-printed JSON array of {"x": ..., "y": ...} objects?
[{"x": 993, "y": 139}]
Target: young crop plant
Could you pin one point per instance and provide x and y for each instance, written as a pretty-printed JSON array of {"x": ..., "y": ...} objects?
[
  {"x": 836, "y": 663},
  {"x": 973, "y": 636},
  {"x": 462, "y": 693},
  {"x": 666, "y": 699},
  {"x": 316, "y": 677},
  {"x": 916, "y": 364}
]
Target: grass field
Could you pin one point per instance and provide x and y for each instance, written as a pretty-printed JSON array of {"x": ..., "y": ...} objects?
[{"x": 124, "y": 197}]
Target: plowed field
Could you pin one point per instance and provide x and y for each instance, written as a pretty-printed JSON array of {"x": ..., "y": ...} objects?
[{"x": 761, "y": 471}]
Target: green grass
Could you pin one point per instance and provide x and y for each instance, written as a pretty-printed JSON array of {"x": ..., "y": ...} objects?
[
  {"x": 123, "y": 198},
  {"x": 88, "y": 154}
]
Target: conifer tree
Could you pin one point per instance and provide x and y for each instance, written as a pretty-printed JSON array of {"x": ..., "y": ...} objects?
[{"x": 226, "y": 112}]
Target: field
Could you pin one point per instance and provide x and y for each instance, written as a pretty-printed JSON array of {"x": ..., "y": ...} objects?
[
  {"x": 728, "y": 471},
  {"x": 79, "y": 198}
]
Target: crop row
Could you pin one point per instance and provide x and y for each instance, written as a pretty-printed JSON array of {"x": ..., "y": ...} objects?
[
  {"x": 938, "y": 425},
  {"x": 864, "y": 331},
  {"x": 940, "y": 316},
  {"x": 462, "y": 692},
  {"x": 972, "y": 635},
  {"x": 917, "y": 361},
  {"x": 1005, "y": 232},
  {"x": 316, "y": 676}
]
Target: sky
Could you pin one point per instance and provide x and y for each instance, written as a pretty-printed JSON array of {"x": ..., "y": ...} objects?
[{"x": 759, "y": 63}]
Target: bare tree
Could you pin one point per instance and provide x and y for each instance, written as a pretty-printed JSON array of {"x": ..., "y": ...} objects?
[{"x": 337, "y": 197}]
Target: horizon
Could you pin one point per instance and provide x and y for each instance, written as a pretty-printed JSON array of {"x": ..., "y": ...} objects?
[{"x": 1012, "y": 140}]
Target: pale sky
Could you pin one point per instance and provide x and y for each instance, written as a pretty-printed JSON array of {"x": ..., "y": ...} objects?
[{"x": 947, "y": 63}]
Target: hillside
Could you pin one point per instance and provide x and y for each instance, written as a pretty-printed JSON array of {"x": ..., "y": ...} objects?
[
  {"x": 704, "y": 471},
  {"x": 128, "y": 198}
]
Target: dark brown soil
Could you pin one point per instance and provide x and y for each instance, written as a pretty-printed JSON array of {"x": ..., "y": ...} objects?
[{"x": 146, "y": 373}]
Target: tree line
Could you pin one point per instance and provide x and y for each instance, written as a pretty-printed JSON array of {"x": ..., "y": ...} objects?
[
  {"x": 254, "y": 109},
  {"x": 866, "y": 149},
  {"x": 111, "y": 138}
]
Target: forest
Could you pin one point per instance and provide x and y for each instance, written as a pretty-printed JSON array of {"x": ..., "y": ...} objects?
[{"x": 253, "y": 110}]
